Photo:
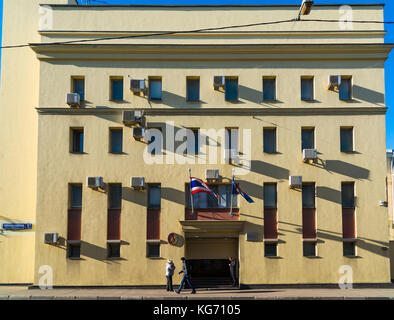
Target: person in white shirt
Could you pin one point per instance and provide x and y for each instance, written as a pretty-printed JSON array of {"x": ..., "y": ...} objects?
[{"x": 170, "y": 267}]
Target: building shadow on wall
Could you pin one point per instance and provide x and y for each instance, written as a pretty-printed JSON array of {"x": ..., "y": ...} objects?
[
  {"x": 249, "y": 94},
  {"x": 135, "y": 196},
  {"x": 367, "y": 95},
  {"x": 370, "y": 245},
  {"x": 252, "y": 189},
  {"x": 173, "y": 195},
  {"x": 269, "y": 170},
  {"x": 346, "y": 169},
  {"x": 94, "y": 252},
  {"x": 329, "y": 194}
]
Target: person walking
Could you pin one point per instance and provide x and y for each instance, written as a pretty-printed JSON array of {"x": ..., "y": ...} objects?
[
  {"x": 170, "y": 267},
  {"x": 232, "y": 265},
  {"x": 186, "y": 276}
]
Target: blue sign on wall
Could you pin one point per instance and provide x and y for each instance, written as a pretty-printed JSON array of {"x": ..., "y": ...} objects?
[{"x": 17, "y": 226}]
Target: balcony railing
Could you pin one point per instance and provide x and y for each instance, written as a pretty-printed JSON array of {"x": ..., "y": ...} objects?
[{"x": 212, "y": 214}]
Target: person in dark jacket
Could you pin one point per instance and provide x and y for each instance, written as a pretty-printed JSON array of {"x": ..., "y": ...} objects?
[
  {"x": 186, "y": 276},
  {"x": 232, "y": 265}
]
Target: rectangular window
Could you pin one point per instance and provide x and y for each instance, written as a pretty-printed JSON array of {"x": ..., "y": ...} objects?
[
  {"x": 348, "y": 211},
  {"x": 193, "y": 89},
  {"x": 307, "y": 138},
  {"x": 270, "y": 195},
  {"x": 154, "y": 196},
  {"x": 308, "y": 195},
  {"x": 203, "y": 200},
  {"x": 155, "y": 141},
  {"x": 78, "y": 86},
  {"x": 192, "y": 141},
  {"x": 74, "y": 250},
  {"x": 113, "y": 249},
  {"x": 232, "y": 143},
  {"x": 115, "y": 196},
  {"x": 116, "y": 140},
  {"x": 347, "y": 140},
  {"x": 269, "y": 140},
  {"x": 116, "y": 89},
  {"x": 309, "y": 248},
  {"x": 307, "y": 88},
  {"x": 74, "y": 212},
  {"x": 155, "y": 89},
  {"x": 77, "y": 137},
  {"x": 347, "y": 193},
  {"x": 349, "y": 248},
  {"x": 231, "y": 89},
  {"x": 270, "y": 249},
  {"x": 345, "y": 89},
  {"x": 153, "y": 250},
  {"x": 269, "y": 88},
  {"x": 75, "y": 196}
]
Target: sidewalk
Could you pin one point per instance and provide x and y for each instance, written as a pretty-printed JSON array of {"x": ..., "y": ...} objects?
[{"x": 23, "y": 293}]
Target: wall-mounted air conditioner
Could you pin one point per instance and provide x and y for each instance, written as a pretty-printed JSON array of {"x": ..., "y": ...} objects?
[
  {"x": 219, "y": 82},
  {"x": 334, "y": 81},
  {"x": 139, "y": 133},
  {"x": 51, "y": 238},
  {"x": 133, "y": 117},
  {"x": 137, "y": 85},
  {"x": 309, "y": 154},
  {"x": 137, "y": 183},
  {"x": 95, "y": 182},
  {"x": 73, "y": 99},
  {"x": 295, "y": 181},
  {"x": 212, "y": 174}
]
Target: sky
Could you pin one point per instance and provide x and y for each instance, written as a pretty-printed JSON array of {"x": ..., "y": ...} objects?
[{"x": 389, "y": 16}]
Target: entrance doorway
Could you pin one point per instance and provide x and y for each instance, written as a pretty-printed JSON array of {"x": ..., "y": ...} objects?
[{"x": 209, "y": 260}]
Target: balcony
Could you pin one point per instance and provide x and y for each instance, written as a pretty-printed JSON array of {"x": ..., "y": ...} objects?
[{"x": 216, "y": 214}]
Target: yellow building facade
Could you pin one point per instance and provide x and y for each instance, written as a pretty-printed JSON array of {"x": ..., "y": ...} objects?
[{"x": 269, "y": 83}]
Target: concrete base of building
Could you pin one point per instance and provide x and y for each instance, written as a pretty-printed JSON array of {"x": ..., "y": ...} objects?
[{"x": 389, "y": 285}]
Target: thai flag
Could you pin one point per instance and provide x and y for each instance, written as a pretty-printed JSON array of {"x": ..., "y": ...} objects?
[
  {"x": 197, "y": 185},
  {"x": 237, "y": 190}
]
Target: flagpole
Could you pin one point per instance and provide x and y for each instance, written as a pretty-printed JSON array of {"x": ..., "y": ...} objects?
[
  {"x": 232, "y": 186},
  {"x": 190, "y": 187}
]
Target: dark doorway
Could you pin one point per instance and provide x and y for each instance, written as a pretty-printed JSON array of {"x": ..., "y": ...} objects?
[{"x": 210, "y": 272}]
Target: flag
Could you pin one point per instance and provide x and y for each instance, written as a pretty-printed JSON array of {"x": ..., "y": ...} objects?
[
  {"x": 237, "y": 190},
  {"x": 197, "y": 185}
]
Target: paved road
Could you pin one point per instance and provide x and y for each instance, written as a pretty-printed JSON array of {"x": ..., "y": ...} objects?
[{"x": 23, "y": 293}]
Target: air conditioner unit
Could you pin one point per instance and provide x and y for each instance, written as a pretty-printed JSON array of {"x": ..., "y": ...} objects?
[
  {"x": 133, "y": 117},
  {"x": 219, "y": 82},
  {"x": 51, "y": 238},
  {"x": 139, "y": 133},
  {"x": 309, "y": 154},
  {"x": 334, "y": 81},
  {"x": 95, "y": 182},
  {"x": 137, "y": 183},
  {"x": 73, "y": 99},
  {"x": 212, "y": 174},
  {"x": 295, "y": 181},
  {"x": 137, "y": 85}
]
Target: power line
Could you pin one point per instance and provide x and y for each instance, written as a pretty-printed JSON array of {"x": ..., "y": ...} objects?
[{"x": 194, "y": 31}]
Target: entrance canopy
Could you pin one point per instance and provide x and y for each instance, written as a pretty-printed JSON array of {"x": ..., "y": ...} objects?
[{"x": 204, "y": 228}]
